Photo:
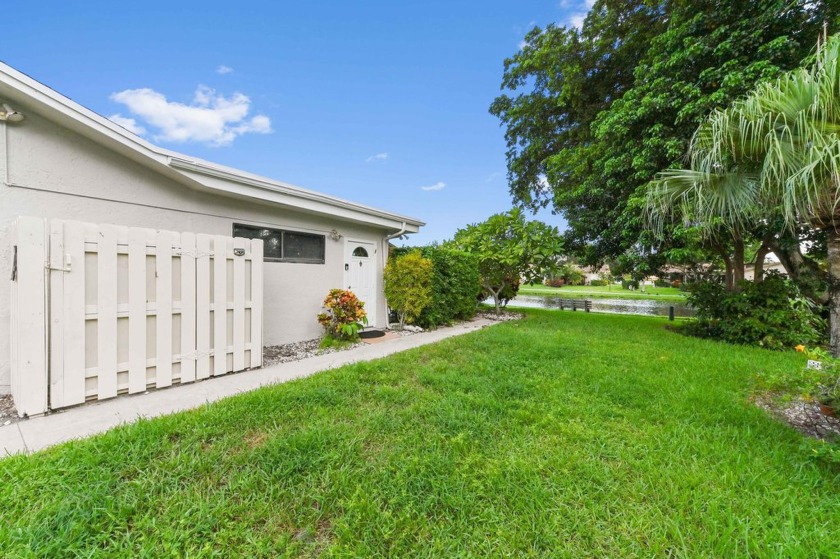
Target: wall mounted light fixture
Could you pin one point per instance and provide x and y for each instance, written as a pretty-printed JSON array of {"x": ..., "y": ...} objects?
[
  {"x": 8, "y": 114},
  {"x": 335, "y": 235}
]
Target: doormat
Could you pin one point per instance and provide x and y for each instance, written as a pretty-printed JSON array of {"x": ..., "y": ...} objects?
[{"x": 370, "y": 334}]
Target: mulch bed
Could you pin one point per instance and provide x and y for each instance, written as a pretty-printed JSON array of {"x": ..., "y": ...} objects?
[
  {"x": 286, "y": 353},
  {"x": 8, "y": 413},
  {"x": 805, "y": 417}
]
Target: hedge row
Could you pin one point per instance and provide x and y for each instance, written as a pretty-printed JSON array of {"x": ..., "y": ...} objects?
[{"x": 455, "y": 285}]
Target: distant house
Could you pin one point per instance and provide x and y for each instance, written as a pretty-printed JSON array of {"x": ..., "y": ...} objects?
[{"x": 59, "y": 160}]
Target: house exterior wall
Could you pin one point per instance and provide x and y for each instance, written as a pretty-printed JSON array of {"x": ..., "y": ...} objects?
[{"x": 49, "y": 171}]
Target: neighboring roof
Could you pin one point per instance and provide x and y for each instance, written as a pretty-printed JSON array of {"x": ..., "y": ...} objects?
[{"x": 27, "y": 94}]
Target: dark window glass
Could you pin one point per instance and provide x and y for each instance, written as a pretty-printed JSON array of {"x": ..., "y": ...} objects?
[
  {"x": 303, "y": 247},
  {"x": 360, "y": 252},
  {"x": 285, "y": 246}
]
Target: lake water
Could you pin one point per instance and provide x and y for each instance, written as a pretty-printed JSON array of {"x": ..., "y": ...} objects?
[{"x": 650, "y": 307}]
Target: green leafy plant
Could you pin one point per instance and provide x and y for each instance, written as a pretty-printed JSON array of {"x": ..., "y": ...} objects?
[
  {"x": 772, "y": 314},
  {"x": 408, "y": 285},
  {"x": 629, "y": 284},
  {"x": 455, "y": 285},
  {"x": 344, "y": 315},
  {"x": 598, "y": 283},
  {"x": 509, "y": 248}
]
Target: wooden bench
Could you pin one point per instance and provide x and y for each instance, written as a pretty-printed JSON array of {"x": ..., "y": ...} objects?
[{"x": 575, "y": 304}]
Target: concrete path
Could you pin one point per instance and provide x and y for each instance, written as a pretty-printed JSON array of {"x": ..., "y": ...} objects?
[{"x": 38, "y": 433}]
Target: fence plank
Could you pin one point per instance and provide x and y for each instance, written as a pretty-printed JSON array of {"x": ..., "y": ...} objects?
[
  {"x": 202, "y": 308},
  {"x": 137, "y": 309},
  {"x": 74, "y": 313},
  {"x": 163, "y": 305},
  {"x": 239, "y": 304},
  {"x": 256, "y": 302},
  {"x": 220, "y": 305},
  {"x": 188, "y": 347},
  {"x": 56, "y": 301},
  {"x": 29, "y": 317},
  {"x": 106, "y": 266}
]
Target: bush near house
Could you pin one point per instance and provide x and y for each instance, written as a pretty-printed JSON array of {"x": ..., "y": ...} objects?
[
  {"x": 663, "y": 283},
  {"x": 408, "y": 285},
  {"x": 598, "y": 283},
  {"x": 344, "y": 315},
  {"x": 555, "y": 282},
  {"x": 455, "y": 285},
  {"x": 772, "y": 314}
]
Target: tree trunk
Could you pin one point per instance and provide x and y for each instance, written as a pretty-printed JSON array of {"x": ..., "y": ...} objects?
[
  {"x": 804, "y": 272},
  {"x": 833, "y": 245},
  {"x": 737, "y": 261},
  {"x": 496, "y": 297},
  {"x": 758, "y": 267}
]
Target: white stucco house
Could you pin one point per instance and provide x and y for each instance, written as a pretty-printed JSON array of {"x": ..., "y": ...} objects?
[{"x": 59, "y": 160}]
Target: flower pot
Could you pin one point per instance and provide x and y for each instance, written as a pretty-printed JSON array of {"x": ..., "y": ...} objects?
[{"x": 828, "y": 409}]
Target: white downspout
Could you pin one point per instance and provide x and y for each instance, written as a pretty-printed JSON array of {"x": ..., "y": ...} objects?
[
  {"x": 397, "y": 234},
  {"x": 386, "y": 254}
]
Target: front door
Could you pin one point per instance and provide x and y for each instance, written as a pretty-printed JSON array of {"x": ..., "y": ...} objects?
[{"x": 360, "y": 275}]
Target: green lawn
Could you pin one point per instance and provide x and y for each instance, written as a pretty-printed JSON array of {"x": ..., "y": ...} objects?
[
  {"x": 605, "y": 292},
  {"x": 563, "y": 435}
]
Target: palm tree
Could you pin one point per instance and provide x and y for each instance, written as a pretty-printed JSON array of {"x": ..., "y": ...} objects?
[{"x": 775, "y": 152}]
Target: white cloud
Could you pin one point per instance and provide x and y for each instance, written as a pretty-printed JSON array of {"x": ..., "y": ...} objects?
[
  {"x": 128, "y": 123},
  {"x": 576, "y": 20},
  {"x": 578, "y": 10},
  {"x": 222, "y": 70},
  {"x": 211, "y": 118},
  {"x": 543, "y": 185},
  {"x": 493, "y": 176},
  {"x": 436, "y": 186},
  {"x": 378, "y": 157}
]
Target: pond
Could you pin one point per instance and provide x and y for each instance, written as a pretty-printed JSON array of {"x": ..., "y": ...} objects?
[{"x": 651, "y": 307}]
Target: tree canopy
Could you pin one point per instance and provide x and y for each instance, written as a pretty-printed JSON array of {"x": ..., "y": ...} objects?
[
  {"x": 773, "y": 156},
  {"x": 510, "y": 248},
  {"x": 591, "y": 116}
]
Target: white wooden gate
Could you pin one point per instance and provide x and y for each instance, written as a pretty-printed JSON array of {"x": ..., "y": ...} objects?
[{"x": 127, "y": 309}]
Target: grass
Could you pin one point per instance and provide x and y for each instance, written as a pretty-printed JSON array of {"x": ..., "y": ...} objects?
[
  {"x": 562, "y": 435},
  {"x": 604, "y": 292}
]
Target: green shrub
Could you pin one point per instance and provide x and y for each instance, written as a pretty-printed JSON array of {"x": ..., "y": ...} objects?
[
  {"x": 629, "y": 284},
  {"x": 408, "y": 285},
  {"x": 662, "y": 283},
  {"x": 555, "y": 282},
  {"x": 772, "y": 314},
  {"x": 344, "y": 315},
  {"x": 456, "y": 284},
  {"x": 598, "y": 283}
]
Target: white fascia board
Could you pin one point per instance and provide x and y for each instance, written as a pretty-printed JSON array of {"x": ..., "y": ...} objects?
[{"x": 242, "y": 184}]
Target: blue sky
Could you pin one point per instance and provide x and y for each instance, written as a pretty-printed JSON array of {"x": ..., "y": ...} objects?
[{"x": 384, "y": 103}]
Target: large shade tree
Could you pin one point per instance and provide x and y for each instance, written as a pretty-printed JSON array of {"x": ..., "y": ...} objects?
[
  {"x": 774, "y": 155},
  {"x": 591, "y": 115}
]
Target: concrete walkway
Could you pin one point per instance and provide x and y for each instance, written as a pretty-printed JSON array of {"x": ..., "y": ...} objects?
[{"x": 38, "y": 433}]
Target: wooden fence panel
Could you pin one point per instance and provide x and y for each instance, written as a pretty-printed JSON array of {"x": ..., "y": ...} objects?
[{"x": 121, "y": 310}]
